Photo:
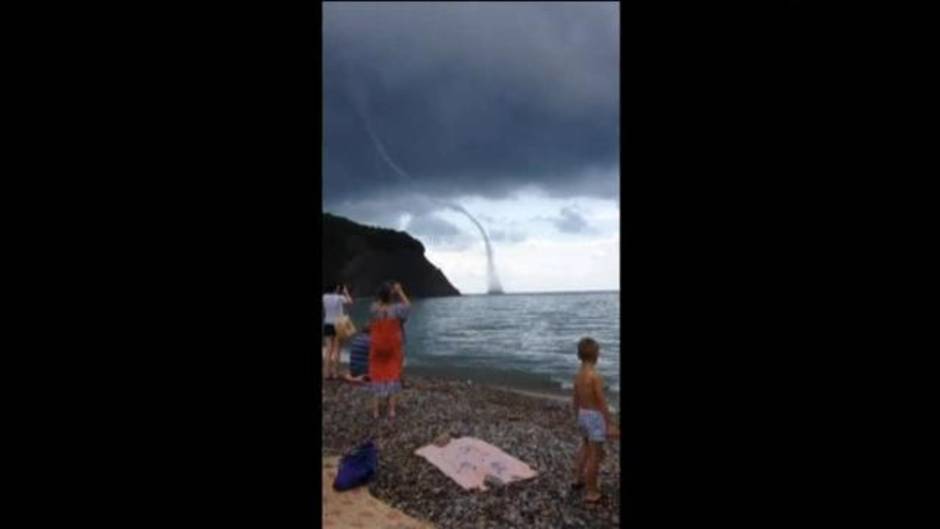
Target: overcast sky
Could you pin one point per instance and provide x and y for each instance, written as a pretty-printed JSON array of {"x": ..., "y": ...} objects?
[{"x": 509, "y": 110}]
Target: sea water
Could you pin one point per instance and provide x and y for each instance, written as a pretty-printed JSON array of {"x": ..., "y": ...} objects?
[{"x": 524, "y": 341}]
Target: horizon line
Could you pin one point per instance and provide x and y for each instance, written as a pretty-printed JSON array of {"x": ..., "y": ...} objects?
[{"x": 507, "y": 293}]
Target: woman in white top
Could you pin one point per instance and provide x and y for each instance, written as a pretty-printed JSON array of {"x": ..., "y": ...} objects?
[{"x": 333, "y": 302}]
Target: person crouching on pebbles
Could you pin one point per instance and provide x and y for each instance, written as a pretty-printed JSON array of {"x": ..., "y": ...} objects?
[
  {"x": 593, "y": 420},
  {"x": 359, "y": 357}
]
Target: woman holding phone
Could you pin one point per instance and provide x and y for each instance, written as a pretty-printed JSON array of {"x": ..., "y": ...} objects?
[{"x": 385, "y": 350}]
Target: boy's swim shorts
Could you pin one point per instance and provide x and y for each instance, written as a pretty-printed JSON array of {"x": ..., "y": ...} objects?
[{"x": 592, "y": 425}]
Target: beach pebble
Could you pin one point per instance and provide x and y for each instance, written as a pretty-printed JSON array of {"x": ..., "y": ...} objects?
[{"x": 492, "y": 481}]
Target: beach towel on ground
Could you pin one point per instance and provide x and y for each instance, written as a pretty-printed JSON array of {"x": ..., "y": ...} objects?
[{"x": 468, "y": 461}]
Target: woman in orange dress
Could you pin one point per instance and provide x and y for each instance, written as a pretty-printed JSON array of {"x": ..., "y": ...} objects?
[{"x": 385, "y": 349}]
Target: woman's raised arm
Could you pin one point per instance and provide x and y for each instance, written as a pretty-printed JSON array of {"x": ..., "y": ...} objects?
[{"x": 401, "y": 294}]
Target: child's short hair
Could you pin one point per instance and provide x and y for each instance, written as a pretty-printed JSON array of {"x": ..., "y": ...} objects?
[{"x": 588, "y": 350}]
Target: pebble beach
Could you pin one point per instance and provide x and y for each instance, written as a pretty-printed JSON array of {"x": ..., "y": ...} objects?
[{"x": 540, "y": 431}]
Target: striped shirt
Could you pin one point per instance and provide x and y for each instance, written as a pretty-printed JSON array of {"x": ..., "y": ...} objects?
[{"x": 359, "y": 354}]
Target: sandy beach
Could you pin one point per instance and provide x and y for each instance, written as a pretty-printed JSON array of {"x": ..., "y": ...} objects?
[{"x": 540, "y": 431}]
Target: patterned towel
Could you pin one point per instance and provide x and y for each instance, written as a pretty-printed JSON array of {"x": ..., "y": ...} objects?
[{"x": 468, "y": 461}]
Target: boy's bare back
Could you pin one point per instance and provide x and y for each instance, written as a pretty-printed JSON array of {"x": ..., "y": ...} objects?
[{"x": 588, "y": 389}]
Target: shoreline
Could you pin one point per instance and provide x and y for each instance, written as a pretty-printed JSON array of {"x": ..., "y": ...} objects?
[
  {"x": 536, "y": 394},
  {"x": 507, "y": 383}
]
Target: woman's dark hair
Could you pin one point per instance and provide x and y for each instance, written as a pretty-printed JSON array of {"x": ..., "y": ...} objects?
[{"x": 385, "y": 293}]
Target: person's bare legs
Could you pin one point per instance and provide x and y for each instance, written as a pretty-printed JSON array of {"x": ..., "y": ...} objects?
[
  {"x": 334, "y": 357},
  {"x": 337, "y": 365},
  {"x": 329, "y": 357},
  {"x": 401, "y": 371},
  {"x": 592, "y": 467},
  {"x": 579, "y": 462}
]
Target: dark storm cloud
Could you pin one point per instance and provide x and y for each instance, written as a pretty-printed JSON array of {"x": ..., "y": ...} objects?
[
  {"x": 413, "y": 214},
  {"x": 469, "y": 98},
  {"x": 433, "y": 227},
  {"x": 382, "y": 209},
  {"x": 433, "y": 230},
  {"x": 571, "y": 222}
]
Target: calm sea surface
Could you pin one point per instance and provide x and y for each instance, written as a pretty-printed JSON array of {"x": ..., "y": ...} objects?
[{"x": 527, "y": 341}]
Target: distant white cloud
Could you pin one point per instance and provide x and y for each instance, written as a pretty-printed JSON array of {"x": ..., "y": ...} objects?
[
  {"x": 507, "y": 236},
  {"x": 531, "y": 255}
]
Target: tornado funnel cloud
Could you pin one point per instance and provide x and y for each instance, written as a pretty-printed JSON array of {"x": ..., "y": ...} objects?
[
  {"x": 359, "y": 106},
  {"x": 358, "y": 100},
  {"x": 493, "y": 284}
]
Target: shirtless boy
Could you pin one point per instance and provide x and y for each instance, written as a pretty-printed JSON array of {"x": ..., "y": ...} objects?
[{"x": 593, "y": 420}]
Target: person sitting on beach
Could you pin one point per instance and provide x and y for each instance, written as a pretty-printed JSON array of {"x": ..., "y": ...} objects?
[
  {"x": 385, "y": 348},
  {"x": 359, "y": 356},
  {"x": 593, "y": 420},
  {"x": 333, "y": 302}
]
